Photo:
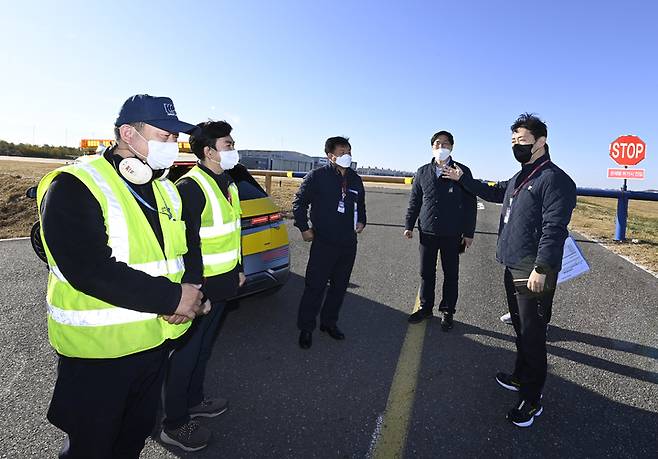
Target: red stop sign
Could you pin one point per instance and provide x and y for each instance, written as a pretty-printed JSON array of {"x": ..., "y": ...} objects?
[{"x": 628, "y": 150}]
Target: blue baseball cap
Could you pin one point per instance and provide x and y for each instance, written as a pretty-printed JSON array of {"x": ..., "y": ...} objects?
[{"x": 156, "y": 111}]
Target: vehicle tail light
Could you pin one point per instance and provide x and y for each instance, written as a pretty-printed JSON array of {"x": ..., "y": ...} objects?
[
  {"x": 259, "y": 220},
  {"x": 262, "y": 220}
]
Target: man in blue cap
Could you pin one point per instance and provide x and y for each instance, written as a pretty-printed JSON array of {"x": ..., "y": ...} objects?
[{"x": 112, "y": 231}]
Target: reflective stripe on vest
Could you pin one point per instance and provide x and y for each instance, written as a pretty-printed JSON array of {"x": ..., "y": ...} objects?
[
  {"x": 80, "y": 325},
  {"x": 218, "y": 228},
  {"x": 97, "y": 317},
  {"x": 154, "y": 269},
  {"x": 218, "y": 258},
  {"x": 118, "y": 229}
]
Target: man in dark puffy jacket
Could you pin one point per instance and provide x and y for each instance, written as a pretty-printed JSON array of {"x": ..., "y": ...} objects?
[
  {"x": 537, "y": 206},
  {"x": 446, "y": 215}
]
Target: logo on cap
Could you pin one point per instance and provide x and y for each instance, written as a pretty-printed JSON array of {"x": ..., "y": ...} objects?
[{"x": 169, "y": 109}]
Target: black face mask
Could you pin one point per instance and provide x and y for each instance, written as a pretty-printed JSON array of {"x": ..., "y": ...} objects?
[{"x": 522, "y": 153}]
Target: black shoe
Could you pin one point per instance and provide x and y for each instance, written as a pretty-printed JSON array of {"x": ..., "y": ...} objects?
[
  {"x": 305, "y": 339},
  {"x": 524, "y": 414},
  {"x": 420, "y": 315},
  {"x": 334, "y": 332},
  {"x": 188, "y": 437},
  {"x": 446, "y": 321},
  {"x": 509, "y": 382}
]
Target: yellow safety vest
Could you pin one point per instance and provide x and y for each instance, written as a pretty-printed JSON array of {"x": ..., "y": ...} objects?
[
  {"x": 220, "y": 225},
  {"x": 80, "y": 325}
]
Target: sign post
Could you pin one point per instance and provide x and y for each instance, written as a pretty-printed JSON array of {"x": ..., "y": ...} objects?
[{"x": 626, "y": 150}]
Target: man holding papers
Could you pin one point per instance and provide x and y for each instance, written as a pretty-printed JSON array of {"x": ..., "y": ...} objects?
[{"x": 537, "y": 206}]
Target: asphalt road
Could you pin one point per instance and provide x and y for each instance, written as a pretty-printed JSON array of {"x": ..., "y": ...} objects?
[{"x": 601, "y": 396}]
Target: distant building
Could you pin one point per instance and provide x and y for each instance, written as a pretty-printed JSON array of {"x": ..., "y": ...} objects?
[
  {"x": 319, "y": 161},
  {"x": 276, "y": 160},
  {"x": 282, "y": 160}
]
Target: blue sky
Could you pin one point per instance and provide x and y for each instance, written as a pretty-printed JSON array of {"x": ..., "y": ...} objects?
[{"x": 289, "y": 74}]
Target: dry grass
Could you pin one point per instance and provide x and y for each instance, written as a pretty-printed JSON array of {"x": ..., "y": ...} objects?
[
  {"x": 283, "y": 191},
  {"x": 594, "y": 217},
  {"x": 18, "y": 212}
]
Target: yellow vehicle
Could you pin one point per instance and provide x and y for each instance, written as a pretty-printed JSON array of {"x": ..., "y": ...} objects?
[{"x": 265, "y": 249}]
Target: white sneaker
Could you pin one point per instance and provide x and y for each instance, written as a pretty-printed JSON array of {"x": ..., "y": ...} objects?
[{"x": 506, "y": 318}]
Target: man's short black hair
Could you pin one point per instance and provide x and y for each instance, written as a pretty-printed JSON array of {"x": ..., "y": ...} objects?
[
  {"x": 451, "y": 139},
  {"x": 532, "y": 123},
  {"x": 206, "y": 135},
  {"x": 333, "y": 142}
]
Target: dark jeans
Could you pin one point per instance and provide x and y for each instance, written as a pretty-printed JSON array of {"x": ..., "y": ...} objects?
[
  {"x": 326, "y": 263},
  {"x": 530, "y": 314},
  {"x": 107, "y": 407},
  {"x": 187, "y": 367},
  {"x": 448, "y": 246}
]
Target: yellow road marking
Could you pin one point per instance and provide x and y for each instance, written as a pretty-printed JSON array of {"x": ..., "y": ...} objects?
[{"x": 392, "y": 437}]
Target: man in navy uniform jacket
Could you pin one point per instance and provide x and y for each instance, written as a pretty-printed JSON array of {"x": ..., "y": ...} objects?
[{"x": 336, "y": 196}]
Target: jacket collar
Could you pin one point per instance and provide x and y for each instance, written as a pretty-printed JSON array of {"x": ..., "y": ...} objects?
[
  {"x": 213, "y": 174},
  {"x": 435, "y": 164},
  {"x": 334, "y": 168}
]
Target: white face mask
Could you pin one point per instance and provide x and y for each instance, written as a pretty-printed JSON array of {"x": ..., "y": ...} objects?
[
  {"x": 229, "y": 159},
  {"x": 344, "y": 161},
  {"x": 442, "y": 154},
  {"x": 161, "y": 155}
]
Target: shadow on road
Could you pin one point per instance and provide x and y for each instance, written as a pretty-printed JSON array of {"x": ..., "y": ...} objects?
[
  {"x": 324, "y": 402},
  {"x": 460, "y": 409},
  {"x": 289, "y": 402}
]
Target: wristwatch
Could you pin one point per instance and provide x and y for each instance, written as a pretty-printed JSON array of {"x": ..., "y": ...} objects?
[{"x": 540, "y": 269}]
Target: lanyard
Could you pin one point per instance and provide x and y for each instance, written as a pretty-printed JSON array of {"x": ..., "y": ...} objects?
[
  {"x": 343, "y": 187},
  {"x": 517, "y": 190},
  {"x": 149, "y": 206}
]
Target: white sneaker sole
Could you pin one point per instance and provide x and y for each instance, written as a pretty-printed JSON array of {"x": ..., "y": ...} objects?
[
  {"x": 170, "y": 441},
  {"x": 208, "y": 415},
  {"x": 532, "y": 419},
  {"x": 506, "y": 319},
  {"x": 507, "y": 386}
]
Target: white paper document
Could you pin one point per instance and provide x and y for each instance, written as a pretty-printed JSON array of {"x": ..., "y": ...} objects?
[{"x": 573, "y": 262}]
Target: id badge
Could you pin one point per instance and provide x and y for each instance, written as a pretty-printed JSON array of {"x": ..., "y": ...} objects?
[
  {"x": 508, "y": 211},
  {"x": 341, "y": 207}
]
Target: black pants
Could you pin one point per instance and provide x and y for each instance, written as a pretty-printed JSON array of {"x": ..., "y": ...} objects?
[
  {"x": 448, "y": 246},
  {"x": 326, "y": 263},
  {"x": 187, "y": 367},
  {"x": 107, "y": 406},
  {"x": 530, "y": 313}
]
